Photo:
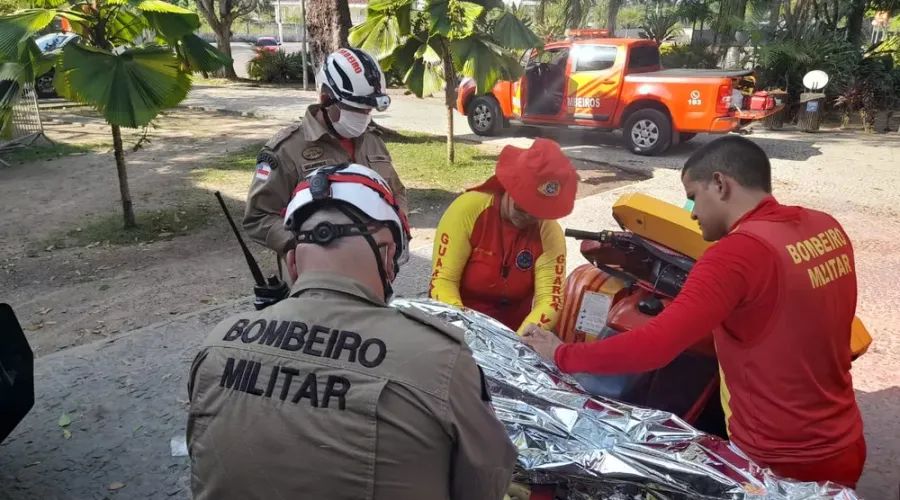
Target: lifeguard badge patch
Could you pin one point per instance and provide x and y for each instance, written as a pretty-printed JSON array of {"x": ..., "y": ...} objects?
[{"x": 525, "y": 260}]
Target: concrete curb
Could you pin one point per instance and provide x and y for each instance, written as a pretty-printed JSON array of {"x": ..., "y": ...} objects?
[{"x": 224, "y": 111}]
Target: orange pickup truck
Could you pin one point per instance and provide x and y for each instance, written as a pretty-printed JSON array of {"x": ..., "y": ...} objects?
[{"x": 610, "y": 83}]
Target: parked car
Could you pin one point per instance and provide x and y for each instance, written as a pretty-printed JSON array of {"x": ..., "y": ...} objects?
[
  {"x": 590, "y": 80},
  {"x": 51, "y": 43},
  {"x": 267, "y": 43}
]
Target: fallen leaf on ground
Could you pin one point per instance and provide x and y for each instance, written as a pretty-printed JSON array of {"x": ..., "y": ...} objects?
[
  {"x": 65, "y": 420},
  {"x": 115, "y": 486},
  {"x": 67, "y": 434}
]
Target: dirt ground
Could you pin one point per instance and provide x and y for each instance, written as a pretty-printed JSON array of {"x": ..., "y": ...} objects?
[{"x": 74, "y": 295}]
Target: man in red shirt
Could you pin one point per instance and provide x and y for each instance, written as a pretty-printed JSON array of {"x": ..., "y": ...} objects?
[{"x": 778, "y": 291}]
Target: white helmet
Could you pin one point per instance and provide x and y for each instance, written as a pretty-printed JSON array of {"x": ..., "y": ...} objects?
[
  {"x": 355, "y": 79},
  {"x": 348, "y": 184}
]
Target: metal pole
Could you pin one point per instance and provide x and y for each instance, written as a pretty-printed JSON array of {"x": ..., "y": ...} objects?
[
  {"x": 303, "y": 47},
  {"x": 278, "y": 20}
]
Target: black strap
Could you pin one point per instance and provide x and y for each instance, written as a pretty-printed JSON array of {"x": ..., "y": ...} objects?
[{"x": 326, "y": 232}]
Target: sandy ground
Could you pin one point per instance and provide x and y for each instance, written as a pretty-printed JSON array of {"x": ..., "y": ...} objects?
[{"x": 70, "y": 296}]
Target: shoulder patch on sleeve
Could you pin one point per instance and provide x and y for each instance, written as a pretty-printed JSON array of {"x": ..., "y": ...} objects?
[
  {"x": 268, "y": 158},
  {"x": 453, "y": 332}
]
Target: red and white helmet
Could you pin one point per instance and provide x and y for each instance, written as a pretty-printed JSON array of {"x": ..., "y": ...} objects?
[
  {"x": 355, "y": 79},
  {"x": 358, "y": 186}
]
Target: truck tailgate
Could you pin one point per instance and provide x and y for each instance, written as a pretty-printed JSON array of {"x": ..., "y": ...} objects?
[{"x": 757, "y": 114}]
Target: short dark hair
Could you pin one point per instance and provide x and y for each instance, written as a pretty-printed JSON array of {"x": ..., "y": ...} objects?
[{"x": 735, "y": 156}]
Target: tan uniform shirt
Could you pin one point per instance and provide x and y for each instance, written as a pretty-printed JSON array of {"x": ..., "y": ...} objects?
[
  {"x": 288, "y": 157},
  {"x": 333, "y": 395}
]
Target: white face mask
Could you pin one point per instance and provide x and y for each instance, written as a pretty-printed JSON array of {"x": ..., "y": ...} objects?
[{"x": 351, "y": 124}]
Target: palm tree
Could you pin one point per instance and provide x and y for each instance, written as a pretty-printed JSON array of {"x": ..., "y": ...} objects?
[{"x": 134, "y": 58}]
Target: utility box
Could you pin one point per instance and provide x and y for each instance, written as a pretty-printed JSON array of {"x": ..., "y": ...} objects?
[{"x": 810, "y": 116}]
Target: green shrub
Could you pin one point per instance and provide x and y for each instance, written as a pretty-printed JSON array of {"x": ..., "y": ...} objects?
[
  {"x": 279, "y": 67},
  {"x": 688, "y": 56}
]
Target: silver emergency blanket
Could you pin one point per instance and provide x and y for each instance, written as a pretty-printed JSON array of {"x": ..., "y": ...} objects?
[{"x": 592, "y": 447}]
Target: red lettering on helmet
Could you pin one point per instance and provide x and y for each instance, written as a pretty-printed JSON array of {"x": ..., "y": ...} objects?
[
  {"x": 544, "y": 319},
  {"x": 354, "y": 63}
]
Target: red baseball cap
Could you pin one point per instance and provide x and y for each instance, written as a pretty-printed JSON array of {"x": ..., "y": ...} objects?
[{"x": 540, "y": 179}]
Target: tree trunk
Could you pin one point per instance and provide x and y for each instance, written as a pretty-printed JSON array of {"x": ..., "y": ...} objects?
[
  {"x": 451, "y": 150},
  {"x": 729, "y": 12},
  {"x": 855, "y": 21},
  {"x": 612, "y": 16},
  {"x": 774, "y": 15},
  {"x": 328, "y": 25},
  {"x": 223, "y": 43},
  {"x": 127, "y": 209},
  {"x": 449, "y": 96}
]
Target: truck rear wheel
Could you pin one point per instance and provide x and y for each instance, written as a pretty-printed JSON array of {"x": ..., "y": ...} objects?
[
  {"x": 484, "y": 116},
  {"x": 648, "y": 132}
]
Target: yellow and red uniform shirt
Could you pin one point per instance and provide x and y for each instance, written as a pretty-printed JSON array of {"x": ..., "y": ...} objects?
[{"x": 484, "y": 262}]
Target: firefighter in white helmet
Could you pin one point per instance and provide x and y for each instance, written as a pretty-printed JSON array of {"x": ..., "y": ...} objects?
[
  {"x": 337, "y": 130},
  {"x": 331, "y": 394}
]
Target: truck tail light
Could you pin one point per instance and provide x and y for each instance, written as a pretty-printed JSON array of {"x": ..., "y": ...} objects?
[{"x": 723, "y": 100}]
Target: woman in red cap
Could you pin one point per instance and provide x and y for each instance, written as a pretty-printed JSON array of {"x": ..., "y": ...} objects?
[{"x": 498, "y": 248}]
